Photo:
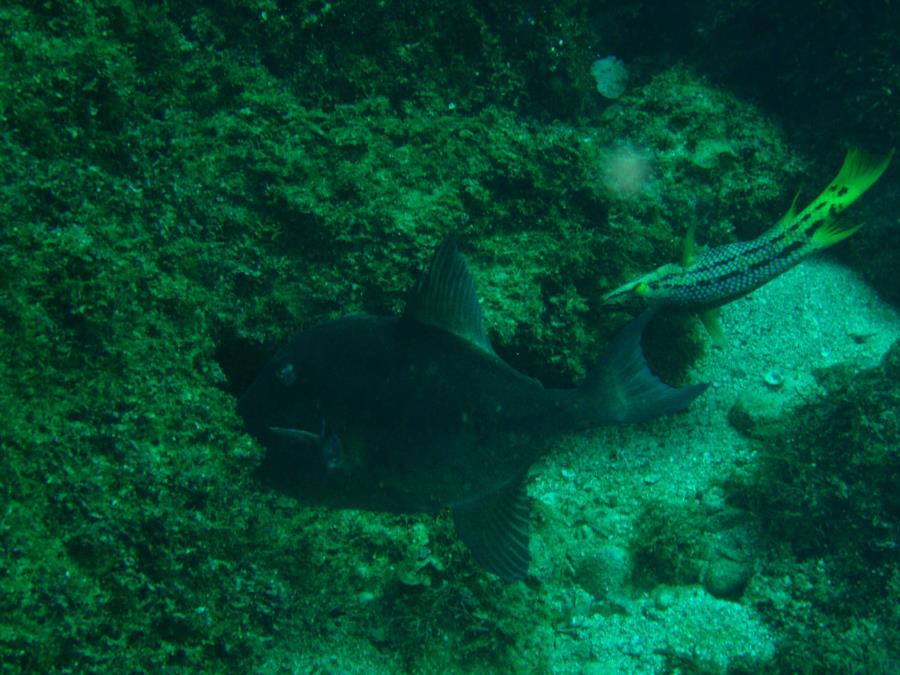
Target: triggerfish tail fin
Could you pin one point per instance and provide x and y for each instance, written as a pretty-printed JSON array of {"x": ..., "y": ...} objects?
[
  {"x": 620, "y": 388},
  {"x": 858, "y": 173}
]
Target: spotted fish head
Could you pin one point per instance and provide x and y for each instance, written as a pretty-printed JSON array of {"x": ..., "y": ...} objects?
[{"x": 649, "y": 287}]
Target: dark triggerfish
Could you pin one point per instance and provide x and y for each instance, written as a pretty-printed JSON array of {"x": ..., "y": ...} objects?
[{"x": 418, "y": 413}]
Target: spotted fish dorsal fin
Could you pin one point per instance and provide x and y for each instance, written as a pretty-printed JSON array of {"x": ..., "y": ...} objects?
[
  {"x": 788, "y": 218},
  {"x": 689, "y": 252},
  {"x": 445, "y": 297}
]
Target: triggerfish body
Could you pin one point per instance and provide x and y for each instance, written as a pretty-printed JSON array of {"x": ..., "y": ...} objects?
[
  {"x": 724, "y": 273},
  {"x": 417, "y": 413}
]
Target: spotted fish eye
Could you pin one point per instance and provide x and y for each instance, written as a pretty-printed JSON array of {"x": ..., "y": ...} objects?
[
  {"x": 286, "y": 374},
  {"x": 641, "y": 289}
]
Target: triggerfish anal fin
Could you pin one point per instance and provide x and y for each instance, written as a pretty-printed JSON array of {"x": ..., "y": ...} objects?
[{"x": 496, "y": 531}]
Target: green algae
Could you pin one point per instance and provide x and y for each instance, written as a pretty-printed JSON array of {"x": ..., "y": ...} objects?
[{"x": 825, "y": 491}]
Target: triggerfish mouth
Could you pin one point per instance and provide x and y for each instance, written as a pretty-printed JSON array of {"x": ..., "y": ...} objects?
[{"x": 417, "y": 413}]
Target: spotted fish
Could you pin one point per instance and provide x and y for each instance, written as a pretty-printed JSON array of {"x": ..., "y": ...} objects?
[{"x": 725, "y": 273}]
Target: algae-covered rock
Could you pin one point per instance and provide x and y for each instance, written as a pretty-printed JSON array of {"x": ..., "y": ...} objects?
[
  {"x": 602, "y": 570},
  {"x": 757, "y": 406},
  {"x": 825, "y": 489},
  {"x": 726, "y": 578},
  {"x": 185, "y": 185}
]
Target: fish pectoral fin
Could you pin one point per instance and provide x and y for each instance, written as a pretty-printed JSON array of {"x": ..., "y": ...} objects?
[
  {"x": 495, "y": 529},
  {"x": 711, "y": 320}
]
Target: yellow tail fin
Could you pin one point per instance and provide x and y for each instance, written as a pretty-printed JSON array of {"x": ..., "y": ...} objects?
[{"x": 859, "y": 171}]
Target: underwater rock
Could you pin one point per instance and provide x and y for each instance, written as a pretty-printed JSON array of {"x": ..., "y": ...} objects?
[
  {"x": 601, "y": 570},
  {"x": 756, "y": 407},
  {"x": 727, "y": 579}
]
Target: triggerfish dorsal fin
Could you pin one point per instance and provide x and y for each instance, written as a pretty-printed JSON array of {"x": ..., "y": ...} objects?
[
  {"x": 445, "y": 297},
  {"x": 495, "y": 529}
]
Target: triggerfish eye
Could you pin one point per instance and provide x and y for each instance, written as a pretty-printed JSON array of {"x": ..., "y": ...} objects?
[{"x": 286, "y": 374}]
